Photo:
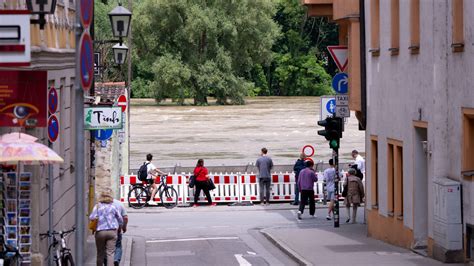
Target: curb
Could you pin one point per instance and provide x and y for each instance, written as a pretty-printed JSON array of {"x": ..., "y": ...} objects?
[
  {"x": 127, "y": 251},
  {"x": 287, "y": 250}
]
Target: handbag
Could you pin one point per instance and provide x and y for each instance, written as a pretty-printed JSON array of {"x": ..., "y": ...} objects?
[
  {"x": 192, "y": 179},
  {"x": 93, "y": 225},
  {"x": 210, "y": 184}
]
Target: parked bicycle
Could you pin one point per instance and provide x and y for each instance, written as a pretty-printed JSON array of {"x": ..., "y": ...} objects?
[
  {"x": 62, "y": 254},
  {"x": 140, "y": 194},
  {"x": 10, "y": 256}
]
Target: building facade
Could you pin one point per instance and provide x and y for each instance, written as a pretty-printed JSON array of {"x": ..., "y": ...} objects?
[
  {"x": 418, "y": 58},
  {"x": 53, "y": 51}
]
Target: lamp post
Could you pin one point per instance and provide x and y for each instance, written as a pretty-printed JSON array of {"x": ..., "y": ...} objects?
[
  {"x": 120, "y": 20},
  {"x": 120, "y": 53},
  {"x": 41, "y": 8}
]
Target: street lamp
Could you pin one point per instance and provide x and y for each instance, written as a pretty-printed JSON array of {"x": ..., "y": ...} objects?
[
  {"x": 120, "y": 20},
  {"x": 41, "y": 8},
  {"x": 120, "y": 53}
]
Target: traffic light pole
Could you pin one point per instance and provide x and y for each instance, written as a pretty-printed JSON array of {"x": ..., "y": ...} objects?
[{"x": 336, "y": 189}]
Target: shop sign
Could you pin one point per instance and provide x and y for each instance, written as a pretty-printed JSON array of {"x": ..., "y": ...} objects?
[
  {"x": 102, "y": 118},
  {"x": 23, "y": 99}
]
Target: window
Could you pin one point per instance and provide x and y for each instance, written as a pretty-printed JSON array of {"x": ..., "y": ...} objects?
[
  {"x": 374, "y": 173},
  {"x": 394, "y": 27},
  {"x": 458, "y": 25},
  {"x": 414, "y": 26},
  {"x": 375, "y": 27},
  {"x": 395, "y": 178},
  {"x": 468, "y": 142}
]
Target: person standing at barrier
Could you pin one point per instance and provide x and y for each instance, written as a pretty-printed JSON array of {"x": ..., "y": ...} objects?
[
  {"x": 264, "y": 165},
  {"x": 299, "y": 165},
  {"x": 355, "y": 194},
  {"x": 202, "y": 183},
  {"x": 329, "y": 178},
  {"x": 108, "y": 222},
  {"x": 306, "y": 180}
]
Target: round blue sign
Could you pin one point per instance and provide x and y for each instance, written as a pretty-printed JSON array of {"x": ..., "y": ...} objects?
[
  {"x": 52, "y": 100},
  {"x": 53, "y": 128},
  {"x": 87, "y": 61},
  {"x": 331, "y": 106},
  {"x": 103, "y": 134},
  {"x": 340, "y": 83}
]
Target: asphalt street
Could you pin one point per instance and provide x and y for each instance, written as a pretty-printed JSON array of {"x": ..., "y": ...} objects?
[{"x": 221, "y": 235}]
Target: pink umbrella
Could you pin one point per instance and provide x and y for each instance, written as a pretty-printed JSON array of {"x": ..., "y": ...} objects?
[{"x": 22, "y": 148}]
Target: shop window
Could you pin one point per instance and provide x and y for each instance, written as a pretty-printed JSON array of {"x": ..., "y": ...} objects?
[
  {"x": 458, "y": 25},
  {"x": 468, "y": 143},
  {"x": 374, "y": 173},
  {"x": 390, "y": 180},
  {"x": 399, "y": 182},
  {"x": 414, "y": 26}
]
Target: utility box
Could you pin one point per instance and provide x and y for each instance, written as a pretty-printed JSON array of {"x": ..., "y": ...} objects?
[{"x": 447, "y": 227}]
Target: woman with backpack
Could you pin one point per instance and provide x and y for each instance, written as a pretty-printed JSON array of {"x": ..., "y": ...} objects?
[{"x": 202, "y": 180}]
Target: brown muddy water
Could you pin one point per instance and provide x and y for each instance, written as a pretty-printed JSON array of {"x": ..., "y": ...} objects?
[{"x": 233, "y": 135}]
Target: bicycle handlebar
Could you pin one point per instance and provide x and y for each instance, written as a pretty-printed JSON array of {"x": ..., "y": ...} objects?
[{"x": 60, "y": 233}]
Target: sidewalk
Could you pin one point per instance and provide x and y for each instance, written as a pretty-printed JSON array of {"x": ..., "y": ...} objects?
[
  {"x": 346, "y": 245},
  {"x": 91, "y": 254}
]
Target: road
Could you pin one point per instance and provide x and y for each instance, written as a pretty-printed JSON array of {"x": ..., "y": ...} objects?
[{"x": 221, "y": 235}]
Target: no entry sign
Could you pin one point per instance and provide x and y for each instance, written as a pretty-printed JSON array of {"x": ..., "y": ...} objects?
[
  {"x": 122, "y": 102},
  {"x": 87, "y": 61},
  {"x": 86, "y": 12},
  {"x": 52, "y": 100},
  {"x": 53, "y": 128}
]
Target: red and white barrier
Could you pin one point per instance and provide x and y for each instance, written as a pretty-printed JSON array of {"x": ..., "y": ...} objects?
[{"x": 229, "y": 188}]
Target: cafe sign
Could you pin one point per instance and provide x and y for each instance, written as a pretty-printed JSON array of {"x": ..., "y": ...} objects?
[{"x": 102, "y": 118}]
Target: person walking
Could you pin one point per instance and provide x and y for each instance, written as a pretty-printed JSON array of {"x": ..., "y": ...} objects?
[
  {"x": 359, "y": 161},
  {"x": 264, "y": 165},
  {"x": 122, "y": 229},
  {"x": 202, "y": 183},
  {"x": 355, "y": 194},
  {"x": 329, "y": 178},
  {"x": 108, "y": 222},
  {"x": 306, "y": 180},
  {"x": 299, "y": 165}
]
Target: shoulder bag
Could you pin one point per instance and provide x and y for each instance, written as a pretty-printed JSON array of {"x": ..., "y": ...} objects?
[{"x": 192, "y": 179}]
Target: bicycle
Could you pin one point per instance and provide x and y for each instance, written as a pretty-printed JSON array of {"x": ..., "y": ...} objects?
[
  {"x": 142, "y": 194},
  {"x": 62, "y": 256},
  {"x": 10, "y": 256}
]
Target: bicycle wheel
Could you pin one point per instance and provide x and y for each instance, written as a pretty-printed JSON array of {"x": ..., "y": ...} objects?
[
  {"x": 67, "y": 260},
  {"x": 137, "y": 197},
  {"x": 169, "y": 197}
]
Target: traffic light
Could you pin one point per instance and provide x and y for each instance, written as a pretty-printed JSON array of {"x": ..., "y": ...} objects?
[{"x": 332, "y": 131}]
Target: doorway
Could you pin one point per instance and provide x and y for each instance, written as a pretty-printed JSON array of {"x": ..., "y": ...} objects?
[{"x": 420, "y": 186}]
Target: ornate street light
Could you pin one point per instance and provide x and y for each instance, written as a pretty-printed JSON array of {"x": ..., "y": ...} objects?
[
  {"x": 120, "y": 53},
  {"x": 120, "y": 20},
  {"x": 41, "y": 8}
]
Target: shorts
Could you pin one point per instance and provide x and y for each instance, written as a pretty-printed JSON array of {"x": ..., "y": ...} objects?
[
  {"x": 331, "y": 195},
  {"x": 150, "y": 181}
]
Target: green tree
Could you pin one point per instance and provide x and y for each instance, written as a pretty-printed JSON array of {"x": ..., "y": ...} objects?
[{"x": 202, "y": 48}]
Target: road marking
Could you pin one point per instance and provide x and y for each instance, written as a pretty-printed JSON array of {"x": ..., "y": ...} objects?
[
  {"x": 251, "y": 253},
  {"x": 192, "y": 239},
  {"x": 241, "y": 260},
  {"x": 220, "y": 226}
]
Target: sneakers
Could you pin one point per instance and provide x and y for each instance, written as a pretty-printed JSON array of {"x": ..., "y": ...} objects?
[
  {"x": 213, "y": 204},
  {"x": 328, "y": 218},
  {"x": 299, "y": 215},
  {"x": 348, "y": 220}
]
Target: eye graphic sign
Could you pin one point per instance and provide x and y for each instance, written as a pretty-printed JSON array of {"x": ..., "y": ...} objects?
[{"x": 23, "y": 98}]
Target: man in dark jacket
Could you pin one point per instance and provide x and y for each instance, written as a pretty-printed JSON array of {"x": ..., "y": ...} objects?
[{"x": 299, "y": 165}]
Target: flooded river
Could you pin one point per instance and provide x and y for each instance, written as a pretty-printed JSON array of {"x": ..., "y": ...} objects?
[{"x": 233, "y": 135}]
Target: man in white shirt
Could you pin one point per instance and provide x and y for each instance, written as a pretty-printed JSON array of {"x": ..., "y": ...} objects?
[
  {"x": 152, "y": 171},
  {"x": 330, "y": 178},
  {"x": 359, "y": 161}
]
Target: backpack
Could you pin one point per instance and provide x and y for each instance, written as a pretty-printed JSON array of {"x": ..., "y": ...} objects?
[{"x": 143, "y": 172}]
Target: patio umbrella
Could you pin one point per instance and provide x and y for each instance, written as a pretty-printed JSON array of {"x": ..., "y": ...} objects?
[{"x": 22, "y": 148}]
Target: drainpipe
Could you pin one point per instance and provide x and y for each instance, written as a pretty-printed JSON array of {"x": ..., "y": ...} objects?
[{"x": 363, "y": 67}]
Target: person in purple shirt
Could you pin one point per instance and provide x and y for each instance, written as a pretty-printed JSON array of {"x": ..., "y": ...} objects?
[{"x": 306, "y": 180}]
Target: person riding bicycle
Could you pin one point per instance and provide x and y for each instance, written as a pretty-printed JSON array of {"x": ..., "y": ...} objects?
[{"x": 152, "y": 172}]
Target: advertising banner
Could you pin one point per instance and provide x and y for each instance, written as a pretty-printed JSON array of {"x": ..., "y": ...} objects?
[
  {"x": 102, "y": 118},
  {"x": 23, "y": 98}
]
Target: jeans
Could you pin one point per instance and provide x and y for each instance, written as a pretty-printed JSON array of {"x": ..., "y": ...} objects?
[
  {"x": 307, "y": 195},
  {"x": 202, "y": 185},
  {"x": 265, "y": 183},
  {"x": 297, "y": 194},
  {"x": 118, "y": 248}
]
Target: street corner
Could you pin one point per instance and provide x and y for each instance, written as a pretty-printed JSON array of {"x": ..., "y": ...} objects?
[{"x": 283, "y": 246}]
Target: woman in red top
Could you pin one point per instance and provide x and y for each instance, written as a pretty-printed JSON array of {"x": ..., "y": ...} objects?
[{"x": 202, "y": 178}]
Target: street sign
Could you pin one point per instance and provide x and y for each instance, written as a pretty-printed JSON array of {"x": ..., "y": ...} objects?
[
  {"x": 102, "y": 118},
  {"x": 86, "y": 12},
  {"x": 339, "y": 55},
  {"x": 308, "y": 150},
  {"x": 53, "y": 128},
  {"x": 52, "y": 100},
  {"x": 96, "y": 64},
  {"x": 87, "y": 61},
  {"x": 122, "y": 102},
  {"x": 103, "y": 144},
  {"x": 328, "y": 106},
  {"x": 343, "y": 111},
  {"x": 103, "y": 134},
  {"x": 342, "y": 99},
  {"x": 340, "y": 83}
]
